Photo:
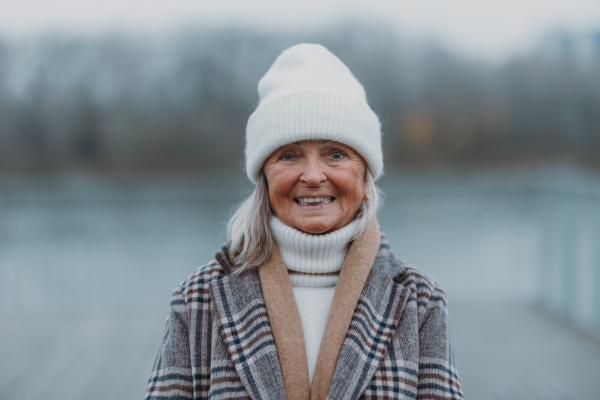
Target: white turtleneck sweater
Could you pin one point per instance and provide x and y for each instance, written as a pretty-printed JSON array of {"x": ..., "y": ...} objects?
[{"x": 313, "y": 263}]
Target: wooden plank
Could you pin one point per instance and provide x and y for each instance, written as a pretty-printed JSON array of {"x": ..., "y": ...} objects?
[
  {"x": 502, "y": 353},
  {"x": 104, "y": 346},
  {"x": 530, "y": 353},
  {"x": 24, "y": 346},
  {"x": 71, "y": 356}
]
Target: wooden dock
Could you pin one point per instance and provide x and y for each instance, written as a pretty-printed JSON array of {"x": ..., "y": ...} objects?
[{"x": 501, "y": 353}]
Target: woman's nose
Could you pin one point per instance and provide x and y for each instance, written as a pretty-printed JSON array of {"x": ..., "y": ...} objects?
[{"x": 313, "y": 173}]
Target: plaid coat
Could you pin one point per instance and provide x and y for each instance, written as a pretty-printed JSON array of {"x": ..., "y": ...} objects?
[{"x": 218, "y": 344}]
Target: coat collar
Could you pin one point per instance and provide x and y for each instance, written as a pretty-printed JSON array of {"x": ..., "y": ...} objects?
[
  {"x": 257, "y": 313},
  {"x": 243, "y": 323}
]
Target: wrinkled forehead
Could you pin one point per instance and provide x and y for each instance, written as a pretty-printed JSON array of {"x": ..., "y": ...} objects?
[
  {"x": 315, "y": 143},
  {"x": 321, "y": 142}
]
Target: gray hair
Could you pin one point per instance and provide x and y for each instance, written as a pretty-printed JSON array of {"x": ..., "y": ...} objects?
[{"x": 248, "y": 232}]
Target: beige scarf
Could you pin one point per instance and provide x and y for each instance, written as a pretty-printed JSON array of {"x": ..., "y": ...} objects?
[{"x": 287, "y": 326}]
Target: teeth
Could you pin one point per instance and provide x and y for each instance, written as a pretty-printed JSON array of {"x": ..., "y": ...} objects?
[{"x": 315, "y": 201}]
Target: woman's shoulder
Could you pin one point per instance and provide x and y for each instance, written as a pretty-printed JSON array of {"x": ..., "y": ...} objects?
[
  {"x": 428, "y": 292},
  {"x": 409, "y": 275},
  {"x": 197, "y": 283}
]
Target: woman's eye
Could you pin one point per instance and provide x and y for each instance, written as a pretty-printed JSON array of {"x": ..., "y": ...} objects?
[
  {"x": 287, "y": 157},
  {"x": 337, "y": 155}
]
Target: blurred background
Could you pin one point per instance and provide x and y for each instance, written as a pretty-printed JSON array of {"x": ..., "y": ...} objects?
[{"x": 121, "y": 147}]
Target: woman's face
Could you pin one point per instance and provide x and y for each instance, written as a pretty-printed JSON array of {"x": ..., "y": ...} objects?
[{"x": 316, "y": 186}]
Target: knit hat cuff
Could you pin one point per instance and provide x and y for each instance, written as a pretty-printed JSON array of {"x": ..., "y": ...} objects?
[{"x": 313, "y": 114}]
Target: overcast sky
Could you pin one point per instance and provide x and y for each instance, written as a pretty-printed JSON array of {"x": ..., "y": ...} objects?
[{"x": 492, "y": 29}]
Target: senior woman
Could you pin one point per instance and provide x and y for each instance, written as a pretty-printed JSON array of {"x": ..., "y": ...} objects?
[{"x": 306, "y": 299}]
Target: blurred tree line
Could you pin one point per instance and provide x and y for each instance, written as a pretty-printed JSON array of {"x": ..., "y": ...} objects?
[{"x": 181, "y": 101}]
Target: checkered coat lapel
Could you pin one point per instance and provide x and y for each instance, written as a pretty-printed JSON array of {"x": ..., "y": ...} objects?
[
  {"x": 373, "y": 325},
  {"x": 400, "y": 332},
  {"x": 243, "y": 323}
]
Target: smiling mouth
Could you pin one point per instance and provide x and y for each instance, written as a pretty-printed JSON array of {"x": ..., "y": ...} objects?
[{"x": 314, "y": 201}]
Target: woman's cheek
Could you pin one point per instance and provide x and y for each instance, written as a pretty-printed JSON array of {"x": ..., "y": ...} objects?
[{"x": 353, "y": 186}]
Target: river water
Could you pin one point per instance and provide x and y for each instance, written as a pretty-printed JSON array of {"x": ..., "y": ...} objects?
[{"x": 88, "y": 247}]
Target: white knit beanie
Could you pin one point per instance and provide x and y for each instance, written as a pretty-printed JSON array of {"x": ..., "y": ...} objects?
[{"x": 308, "y": 93}]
